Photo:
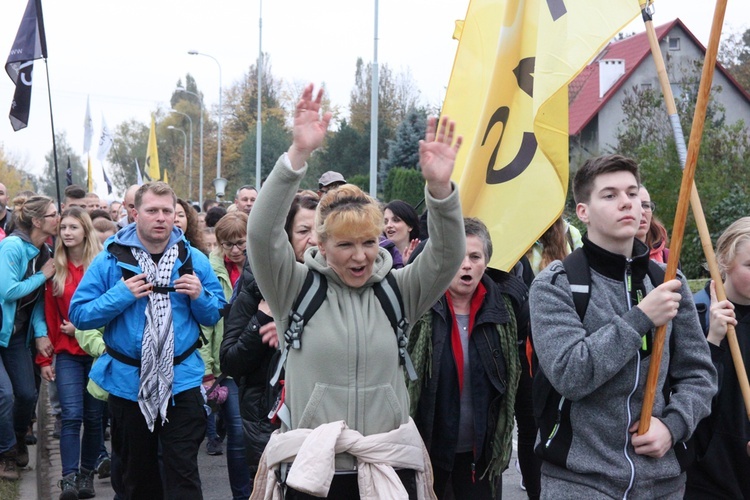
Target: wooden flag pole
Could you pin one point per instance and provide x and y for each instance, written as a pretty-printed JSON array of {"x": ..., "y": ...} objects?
[
  {"x": 678, "y": 229},
  {"x": 696, "y": 205}
]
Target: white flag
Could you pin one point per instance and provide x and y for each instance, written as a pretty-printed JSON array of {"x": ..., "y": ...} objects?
[
  {"x": 139, "y": 176},
  {"x": 105, "y": 141},
  {"x": 88, "y": 128}
]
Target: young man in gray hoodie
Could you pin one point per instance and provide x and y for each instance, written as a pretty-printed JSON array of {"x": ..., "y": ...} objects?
[{"x": 599, "y": 364}]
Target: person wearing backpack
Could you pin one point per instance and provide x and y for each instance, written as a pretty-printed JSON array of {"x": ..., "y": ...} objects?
[
  {"x": 597, "y": 363},
  {"x": 227, "y": 262},
  {"x": 722, "y": 440},
  {"x": 250, "y": 339},
  {"x": 465, "y": 354},
  {"x": 152, "y": 290},
  {"x": 349, "y": 430}
]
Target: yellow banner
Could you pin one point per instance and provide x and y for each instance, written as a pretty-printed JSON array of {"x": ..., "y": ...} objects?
[
  {"x": 152, "y": 155},
  {"x": 508, "y": 94}
]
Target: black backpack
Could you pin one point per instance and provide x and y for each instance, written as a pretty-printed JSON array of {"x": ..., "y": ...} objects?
[
  {"x": 551, "y": 409},
  {"x": 308, "y": 301}
]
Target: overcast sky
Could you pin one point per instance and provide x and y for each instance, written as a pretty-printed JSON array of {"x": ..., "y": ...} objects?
[{"x": 128, "y": 55}]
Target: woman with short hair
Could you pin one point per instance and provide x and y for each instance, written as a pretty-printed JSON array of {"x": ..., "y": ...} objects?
[{"x": 344, "y": 385}]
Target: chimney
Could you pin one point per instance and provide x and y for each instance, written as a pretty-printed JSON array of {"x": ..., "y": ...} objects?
[{"x": 610, "y": 70}]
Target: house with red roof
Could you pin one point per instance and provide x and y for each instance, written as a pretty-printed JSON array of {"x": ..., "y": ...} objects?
[{"x": 596, "y": 95}]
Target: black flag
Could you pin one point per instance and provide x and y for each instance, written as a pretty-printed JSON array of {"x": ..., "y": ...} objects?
[
  {"x": 69, "y": 174},
  {"x": 106, "y": 179},
  {"x": 30, "y": 44}
]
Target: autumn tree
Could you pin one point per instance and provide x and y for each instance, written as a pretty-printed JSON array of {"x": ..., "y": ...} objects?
[
  {"x": 735, "y": 57},
  {"x": 724, "y": 159},
  {"x": 15, "y": 178}
]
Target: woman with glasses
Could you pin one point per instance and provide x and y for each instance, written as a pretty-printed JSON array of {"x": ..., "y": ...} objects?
[
  {"x": 651, "y": 230},
  {"x": 76, "y": 246},
  {"x": 250, "y": 339},
  {"x": 227, "y": 261},
  {"x": 25, "y": 260}
]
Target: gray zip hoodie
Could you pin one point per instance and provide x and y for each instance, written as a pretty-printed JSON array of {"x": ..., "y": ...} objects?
[{"x": 600, "y": 366}]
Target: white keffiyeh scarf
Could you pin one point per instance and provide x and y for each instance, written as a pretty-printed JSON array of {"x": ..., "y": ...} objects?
[{"x": 157, "y": 347}]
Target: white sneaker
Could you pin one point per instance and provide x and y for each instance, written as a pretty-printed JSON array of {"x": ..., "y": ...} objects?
[{"x": 518, "y": 468}]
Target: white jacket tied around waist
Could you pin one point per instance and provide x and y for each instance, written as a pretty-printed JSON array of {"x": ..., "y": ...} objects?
[{"x": 313, "y": 452}]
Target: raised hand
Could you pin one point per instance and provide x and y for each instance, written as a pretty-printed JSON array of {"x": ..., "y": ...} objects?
[
  {"x": 309, "y": 127},
  {"x": 437, "y": 155}
]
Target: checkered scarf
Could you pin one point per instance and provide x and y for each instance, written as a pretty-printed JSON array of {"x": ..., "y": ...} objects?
[{"x": 157, "y": 347}]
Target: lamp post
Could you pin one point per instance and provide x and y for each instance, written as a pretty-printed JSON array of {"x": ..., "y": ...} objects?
[
  {"x": 190, "y": 161},
  {"x": 259, "y": 126},
  {"x": 200, "y": 173},
  {"x": 217, "y": 183},
  {"x": 184, "y": 143}
]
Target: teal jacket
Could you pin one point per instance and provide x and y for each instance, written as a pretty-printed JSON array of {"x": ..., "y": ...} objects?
[
  {"x": 16, "y": 252},
  {"x": 103, "y": 300}
]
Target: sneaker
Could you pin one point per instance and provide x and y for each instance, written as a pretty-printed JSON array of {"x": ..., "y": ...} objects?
[
  {"x": 69, "y": 486},
  {"x": 8, "y": 467},
  {"x": 85, "y": 484},
  {"x": 58, "y": 427},
  {"x": 104, "y": 468},
  {"x": 30, "y": 437},
  {"x": 22, "y": 451},
  {"x": 214, "y": 447},
  {"x": 518, "y": 468}
]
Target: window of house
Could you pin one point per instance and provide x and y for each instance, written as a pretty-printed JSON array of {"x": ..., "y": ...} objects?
[
  {"x": 674, "y": 43},
  {"x": 646, "y": 86}
]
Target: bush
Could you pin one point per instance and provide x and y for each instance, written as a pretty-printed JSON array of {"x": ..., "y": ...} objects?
[{"x": 404, "y": 184}]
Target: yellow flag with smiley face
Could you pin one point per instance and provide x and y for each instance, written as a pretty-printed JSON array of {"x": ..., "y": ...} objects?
[{"x": 508, "y": 95}]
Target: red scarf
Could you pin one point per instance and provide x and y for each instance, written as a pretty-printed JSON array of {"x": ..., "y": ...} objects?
[
  {"x": 458, "y": 353},
  {"x": 234, "y": 271}
]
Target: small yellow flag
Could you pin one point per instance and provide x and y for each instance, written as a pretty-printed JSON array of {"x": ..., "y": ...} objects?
[
  {"x": 166, "y": 177},
  {"x": 152, "y": 155},
  {"x": 91, "y": 178},
  {"x": 508, "y": 94}
]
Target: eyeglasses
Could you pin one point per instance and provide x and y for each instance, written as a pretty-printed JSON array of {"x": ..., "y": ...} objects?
[
  {"x": 648, "y": 206},
  {"x": 239, "y": 244}
]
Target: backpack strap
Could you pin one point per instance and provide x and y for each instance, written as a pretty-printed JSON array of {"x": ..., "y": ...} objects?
[
  {"x": 309, "y": 300},
  {"x": 579, "y": 276},
  {"x": 390, "y": 300}
]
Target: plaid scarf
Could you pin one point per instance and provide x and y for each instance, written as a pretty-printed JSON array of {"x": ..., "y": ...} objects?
[{"x": 157, "y": 347}]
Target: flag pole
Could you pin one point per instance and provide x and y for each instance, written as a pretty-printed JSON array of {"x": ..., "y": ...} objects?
[
  {"x": 696, "y": 205},
  {"x": 678, "y": 229}
]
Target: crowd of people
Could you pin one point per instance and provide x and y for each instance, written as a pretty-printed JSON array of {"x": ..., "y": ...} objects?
[{"x": 161, "y": 326}]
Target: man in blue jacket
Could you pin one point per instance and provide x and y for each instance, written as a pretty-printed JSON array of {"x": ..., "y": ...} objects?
[{"x": 151, "y": 290}]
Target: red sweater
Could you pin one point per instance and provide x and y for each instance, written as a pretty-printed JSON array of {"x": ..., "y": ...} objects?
[{"x": 55, "y": 311}]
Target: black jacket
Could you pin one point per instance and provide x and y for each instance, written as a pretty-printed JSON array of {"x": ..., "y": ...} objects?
[
  {"x": 722, "y": 467},
  {"x": 245, "y": 357},
  {"x": 438, "y": 411}
]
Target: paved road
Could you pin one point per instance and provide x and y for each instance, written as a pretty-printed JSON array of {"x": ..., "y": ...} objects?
[{"x": 213, "y": 469}]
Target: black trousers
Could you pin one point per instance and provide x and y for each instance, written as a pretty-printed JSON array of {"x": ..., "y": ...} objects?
[
  {"x": 530, "y": 463},
  {"x": 345, "y": 487},
  {"x": 137, "y": 448},
  {"x": 460, "y": 482}
]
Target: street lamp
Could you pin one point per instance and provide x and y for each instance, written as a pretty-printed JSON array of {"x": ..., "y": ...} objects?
[
  {"x": 218, "y": 149},
  {"x": 184, "y": 154},
  {"x": 200, "y": 173},
  {"x": 190, "y": 173}
]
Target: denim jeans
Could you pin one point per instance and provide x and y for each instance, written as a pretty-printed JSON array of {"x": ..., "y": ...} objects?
[
  {"x": 17, "y": 390},
  {"x": 239, "y": 474},
  {"x": 77, "y": 407}
]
